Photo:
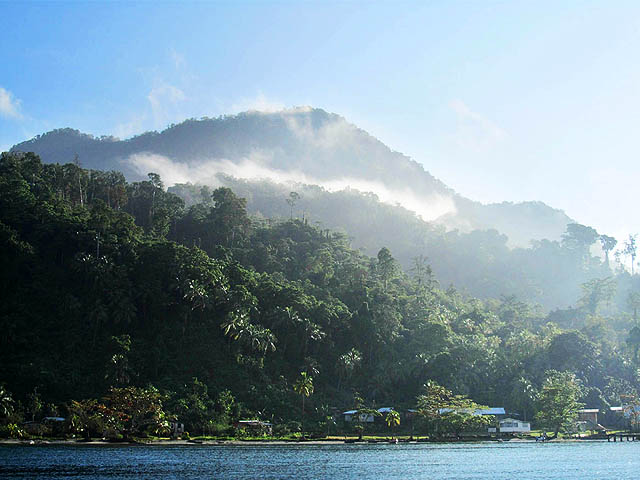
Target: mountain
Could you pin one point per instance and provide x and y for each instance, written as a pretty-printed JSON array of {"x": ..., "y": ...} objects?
[{"x": 301, "y": 146}]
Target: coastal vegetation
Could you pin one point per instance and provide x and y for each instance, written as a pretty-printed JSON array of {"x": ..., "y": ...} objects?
[{"x": 123, "y": 311}]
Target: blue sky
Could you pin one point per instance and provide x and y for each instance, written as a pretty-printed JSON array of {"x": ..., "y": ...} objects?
[{"x": 500, "y": 100}]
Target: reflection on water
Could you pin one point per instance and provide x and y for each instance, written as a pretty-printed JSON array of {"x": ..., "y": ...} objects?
[{"x": 570, "y": 460}]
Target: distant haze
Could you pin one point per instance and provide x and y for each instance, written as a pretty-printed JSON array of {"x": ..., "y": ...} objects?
[
  {"x": 428, "y": 207},
  {"x": 298, "y": 146}
]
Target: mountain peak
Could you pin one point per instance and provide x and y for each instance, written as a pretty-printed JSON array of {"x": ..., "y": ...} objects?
[{"x": 303, "y": 145}]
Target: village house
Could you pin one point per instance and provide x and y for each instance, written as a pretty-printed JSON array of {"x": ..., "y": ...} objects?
[
  {"x": 511, "y": 425},
  {"x": 625, "y": 416},
  {"x": 588, "y": 419},
  {"x": 352, "y": 415},
  {"x": 255, "y": 426}
]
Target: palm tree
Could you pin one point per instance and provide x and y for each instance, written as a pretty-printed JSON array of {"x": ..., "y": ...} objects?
[
  {"x": 6, "y": 402},
  {"x": 392, "y": 419},
  {"x": 347, "y": 363},
  {"x": 304, "y": 388}
]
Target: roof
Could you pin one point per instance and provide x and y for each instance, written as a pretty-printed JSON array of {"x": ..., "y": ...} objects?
[
  {"x": 482, "y": 411},
  {"x": 626, "y": 409},
  {"x": 490, "y": 411},
  {"x": 253, "y": 422},
  {"x": 380, "y": 410},
  {"x": 589, "y": 410}
]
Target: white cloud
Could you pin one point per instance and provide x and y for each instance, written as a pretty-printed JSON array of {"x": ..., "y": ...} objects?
[
  {"x": 9, "y": 105},
  {"x": 260, "y": 103},
  {"x": 428, "y": 207},
  {"x": 332, "y": 133},
  {"x": 165, "y": 103},
  {"x": 475, "y": 130},
  {"x": 133, "y": 126}
]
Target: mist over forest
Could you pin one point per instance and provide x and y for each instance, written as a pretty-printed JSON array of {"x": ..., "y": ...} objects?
[
  {"x": 346, "y": 180},
  {"x": 209, "y": 264}
]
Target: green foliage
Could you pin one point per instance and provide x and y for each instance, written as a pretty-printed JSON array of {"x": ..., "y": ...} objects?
[
  {"x": 597, "y": 291},
  {"x": 558, "y": 403},
  {"x": 303, "y": 387},
  {"x": 15, "y": 431},
  {"x": 109, "y": 287},
  {"x": 392, "y": 419},
  {"x": 193, "y": 406},
  {"x": 133, "y": 411},
  {"x": 87, "y": 418},
  {"x": 444, "y": 412},
  {"x": 7, "y": 403}
]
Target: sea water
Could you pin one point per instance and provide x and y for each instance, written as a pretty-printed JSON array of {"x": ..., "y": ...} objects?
[{"x": 524, "y": 460}]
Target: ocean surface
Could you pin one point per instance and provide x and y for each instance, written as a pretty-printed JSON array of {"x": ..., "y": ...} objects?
[{"x": 567, "y": 460}]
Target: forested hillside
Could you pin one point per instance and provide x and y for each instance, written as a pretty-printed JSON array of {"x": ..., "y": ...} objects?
[
  {"x": 480, "y": 262},
  {"x": 301, "y": 145},
  {"x": 346, "y": 180},
  {"x": 109, "y": 285}
]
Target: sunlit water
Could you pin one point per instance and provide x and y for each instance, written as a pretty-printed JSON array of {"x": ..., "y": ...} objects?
[{"x": 571, "y": 460}]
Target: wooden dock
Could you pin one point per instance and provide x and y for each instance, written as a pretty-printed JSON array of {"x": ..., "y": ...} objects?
[{"x": 621, "y": 436}]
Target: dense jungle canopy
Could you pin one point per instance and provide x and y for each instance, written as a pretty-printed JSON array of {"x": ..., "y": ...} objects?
[{"x": 108, "y": 284}]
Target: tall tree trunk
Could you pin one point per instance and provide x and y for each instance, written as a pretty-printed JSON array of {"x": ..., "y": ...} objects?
[{"x": 302, "y": 422}]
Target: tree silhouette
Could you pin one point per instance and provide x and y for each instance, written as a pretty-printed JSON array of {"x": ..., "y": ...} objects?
[
  {"x": 304, "y": 388},
  {"x": 292, "y": 200},
  {"x": 630, "y": 250},
  {"x": 608, "y": 243}
]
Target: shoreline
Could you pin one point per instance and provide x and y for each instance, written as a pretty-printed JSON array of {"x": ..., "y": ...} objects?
[{"x": 73, "y": 442}]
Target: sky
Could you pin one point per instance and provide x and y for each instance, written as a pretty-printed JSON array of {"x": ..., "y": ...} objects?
[{"x": 501, "y": 100}]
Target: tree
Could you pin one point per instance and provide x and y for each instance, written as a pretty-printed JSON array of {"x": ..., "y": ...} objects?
[
  {"x": 608, "y": 244},
  {"x": 153, "y": 208},
  {"x": 633, "y": 301},
  {"x": 194, "y": 406},
  {"x": 136, "y": 411},
  {"x": 228, "y": 218},
  {"x": 118, "y": 372},
  {"x": 256, "y": 337},
  {"x": 292, "y": 200},
  {"x": 558, "y": 403},
  {"x": 579, "y": 238},
  {"x": 386, "y": 266},
  {"x": 523, "y": 396},
  {"x": 347, "y": 363},
  {"x": 304, "y": 388},
  {"x": 363, "y": 415},
  {"x": 87, "y": 417},
  {"x": 392, "y": 419},
  {"x": 34, "y": 404},
  {"x": 572, "y": 350},
  {"x": 6, "y": 402},
  {"x": 631, "y": 409},
  {"x": 630, "y": 250},
  {"x": 443, "y": 411},
  {"x": 633, "y": 340},
  {"x": 422, "y": 272},
  {"x": 597, "y": 291}
]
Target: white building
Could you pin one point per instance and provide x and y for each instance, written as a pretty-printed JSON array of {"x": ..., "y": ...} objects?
[{"x": 511, "y": 425}]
